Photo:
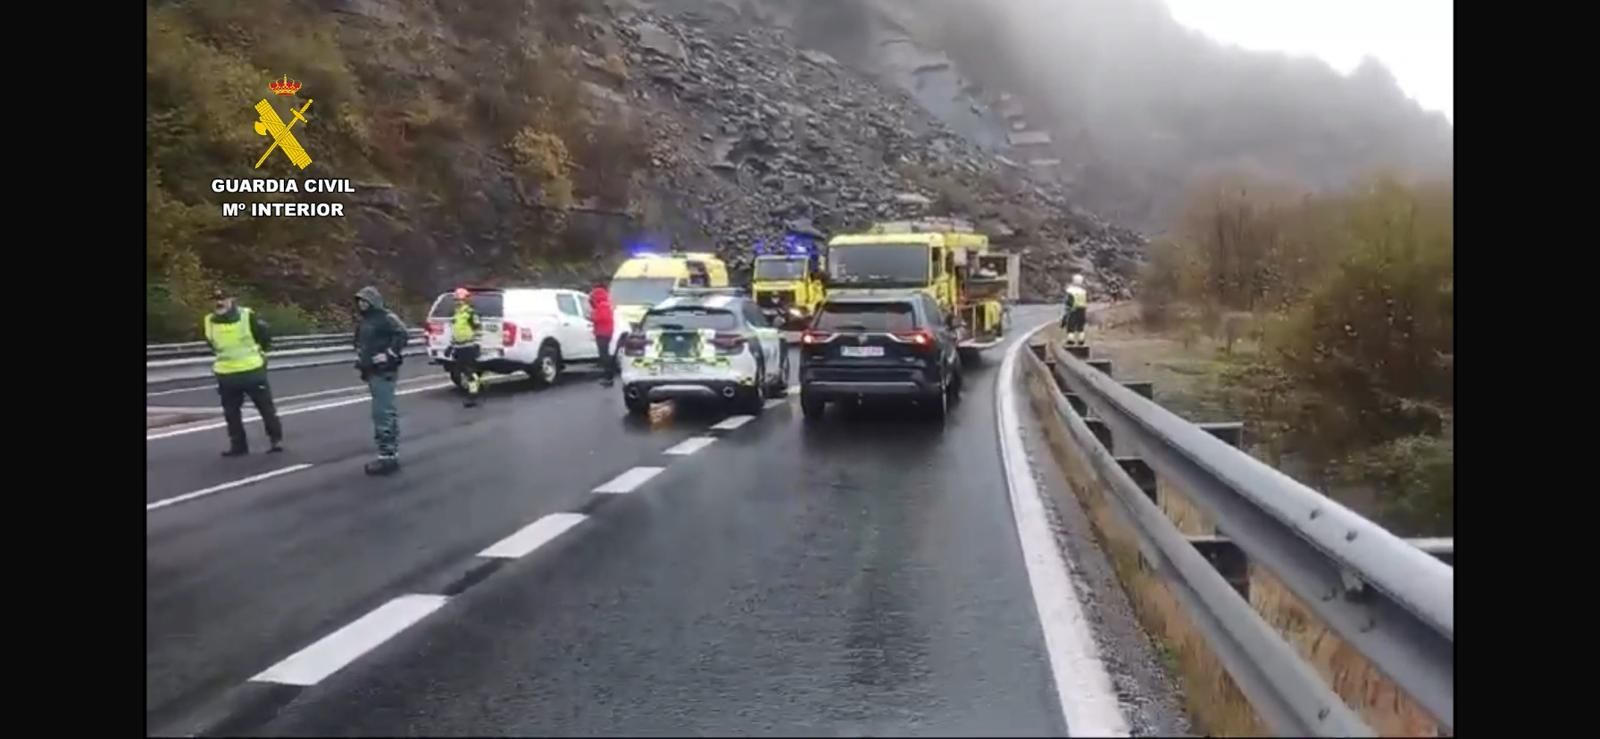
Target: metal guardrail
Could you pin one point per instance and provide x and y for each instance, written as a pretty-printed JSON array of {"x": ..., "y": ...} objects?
[
  {"x": 1386, "y": 597},
  {"x": 315, "y": 350},
  {"x": 301, "y": 341}
]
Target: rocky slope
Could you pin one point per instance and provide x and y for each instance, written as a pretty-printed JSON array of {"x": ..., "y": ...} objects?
[{"x": 753, "y": 132}]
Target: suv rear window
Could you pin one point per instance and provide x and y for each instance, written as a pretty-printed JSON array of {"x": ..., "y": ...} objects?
[
  {"x": 691, "y": 319},
  {"x": 488, "y": 305},
  {"x": 875, "y": 317}
]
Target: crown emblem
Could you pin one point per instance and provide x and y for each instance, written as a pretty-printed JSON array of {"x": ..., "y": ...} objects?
[{"x": 284, "y": 86}]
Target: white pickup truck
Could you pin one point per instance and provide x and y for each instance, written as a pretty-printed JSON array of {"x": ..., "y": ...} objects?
[{"x": 535, "y": 330}]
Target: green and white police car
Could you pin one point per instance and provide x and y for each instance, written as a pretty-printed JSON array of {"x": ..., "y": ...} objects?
[{"x": 708, "y": 343}]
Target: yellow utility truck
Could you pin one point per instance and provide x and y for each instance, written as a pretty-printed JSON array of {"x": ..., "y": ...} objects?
[
  {"x": 786, "y": 279},
  {"x": 944, "y": 257}
]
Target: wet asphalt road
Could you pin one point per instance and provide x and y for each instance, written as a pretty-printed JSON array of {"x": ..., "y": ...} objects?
[{"x": 862, "y": 576}]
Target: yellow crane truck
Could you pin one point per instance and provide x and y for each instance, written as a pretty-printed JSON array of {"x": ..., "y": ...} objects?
[{"x": 944, "y": 257}]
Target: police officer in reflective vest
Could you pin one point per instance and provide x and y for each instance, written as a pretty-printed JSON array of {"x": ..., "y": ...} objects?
[
  {"x": 464, "y": 349},
  {"x": 240, "y": 340}
]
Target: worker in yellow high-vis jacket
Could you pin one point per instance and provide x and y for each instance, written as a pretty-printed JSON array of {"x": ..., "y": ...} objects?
[
  {"x": 464, "y": 349},
  {"x": 240, "y": 341},
  {"x": 1077, "y": 310}
]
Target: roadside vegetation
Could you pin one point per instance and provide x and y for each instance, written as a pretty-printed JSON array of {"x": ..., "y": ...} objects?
[
  {"x": 1326, "y": 324},
  {"x": 469, "y": 113}
]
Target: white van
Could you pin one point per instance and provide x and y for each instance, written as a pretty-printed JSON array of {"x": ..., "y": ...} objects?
[{"x": 535, "y": 330}]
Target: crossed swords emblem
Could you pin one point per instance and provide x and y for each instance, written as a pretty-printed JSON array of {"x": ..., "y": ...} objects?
[{"x": 282, "y": 137}]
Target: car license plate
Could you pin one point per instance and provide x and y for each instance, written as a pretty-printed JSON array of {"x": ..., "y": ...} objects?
[{"x": 861, "y": 351}]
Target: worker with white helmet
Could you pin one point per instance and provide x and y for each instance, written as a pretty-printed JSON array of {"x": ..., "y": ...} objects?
[{"x": 1077, "y": 310}]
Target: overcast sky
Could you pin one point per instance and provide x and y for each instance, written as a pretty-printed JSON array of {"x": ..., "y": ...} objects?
[{"x": 1413, "y": 38}]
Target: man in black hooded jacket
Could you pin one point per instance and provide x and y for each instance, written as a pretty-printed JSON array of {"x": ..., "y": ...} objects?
[{"x": 380, "y": 341}]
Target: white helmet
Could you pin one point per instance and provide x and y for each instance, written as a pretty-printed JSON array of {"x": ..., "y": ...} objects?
[{"x": 1077, "y": 279}]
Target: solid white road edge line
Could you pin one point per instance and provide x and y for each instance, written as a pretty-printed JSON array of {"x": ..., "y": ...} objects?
[
  {"x": 332, "y": 652},
  {"x": 732, "y": 422},
  {"x": 627, "y": 481},
  {"x": 224, "y": 486},
  {"x": 533, "y": 536},
  {"x": 213, "y": 388},
  {"x": 690, "y": 446},
  {"x": 289, "y": 412},
  {"x": 1088, "y": 701}
]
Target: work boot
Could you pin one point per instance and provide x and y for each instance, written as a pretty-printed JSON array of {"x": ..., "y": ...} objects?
[
  {"x": 277, "y": 448},
  {"x": 471, "y": 401},
  {"x": 383, "y": 466},
  {"x": 236, "y": 452}
]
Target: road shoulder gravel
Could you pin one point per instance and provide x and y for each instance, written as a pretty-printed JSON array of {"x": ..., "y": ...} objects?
[{"x": 1148, "y": 692}]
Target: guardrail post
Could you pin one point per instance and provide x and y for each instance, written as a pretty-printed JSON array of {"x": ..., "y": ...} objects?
[
  {"x": 1102, "y": 364},
  {"x": 1142, "y": 475},
  {"x": 1229, "y": 560},
  {"x": 1039, "y": 351},
  {"x": 1230, "y": 432},
  {"x": 1078, "y": 404},
  {"x": 1100, "y": 430},
  {"x": 1079, "y": 351},
  {"x": 1144, "y": 388}
]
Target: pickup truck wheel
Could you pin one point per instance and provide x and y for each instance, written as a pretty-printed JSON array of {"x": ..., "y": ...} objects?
[{"x": 547, "y": 367}]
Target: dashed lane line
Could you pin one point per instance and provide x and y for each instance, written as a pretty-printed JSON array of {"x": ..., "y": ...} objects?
[
  {"x": 690, "y": 446},
  {"x": 533, "y": 536},
  {"x": 331, "y": 653},
  {"x": 732, "y": 422},
  {"x": 627, "y": 481}
]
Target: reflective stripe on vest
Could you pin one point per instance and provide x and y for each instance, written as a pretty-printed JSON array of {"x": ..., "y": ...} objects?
[
  {"x": 235, "y": 345},
  {"x": 461, "y": 327}
]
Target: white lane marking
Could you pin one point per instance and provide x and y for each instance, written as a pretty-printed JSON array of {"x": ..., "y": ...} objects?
[
  {"x": 224, "y": 486},
  {"x": 1088, "y": 702},
  {"x": 533, "y": 536},
  {"x": 319, "y": 393},
  {"x": 732, "y": 422},
  {"x": 332, "y": 652},
  {"x": 181, "y": 390},
  {"x": 775, "y": 402},
  {"x": 289, "y": 412},
  {"x": 627, "y": 481},
  {"x": 690, "y": 446}
]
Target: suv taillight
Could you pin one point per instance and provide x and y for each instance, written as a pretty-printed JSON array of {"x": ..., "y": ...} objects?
[
  {"x": 508, "y": 333},
  {"x": 728, "y": 343},
  {"x": 921, "y": 337},
  {"x": 434, "y": 328},
  {"x": 633, "y": 345},
  {"x": 815, "y": 337}
]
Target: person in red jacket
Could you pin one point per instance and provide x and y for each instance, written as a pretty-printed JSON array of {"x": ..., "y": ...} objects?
[{"x": 600, "y": 312}]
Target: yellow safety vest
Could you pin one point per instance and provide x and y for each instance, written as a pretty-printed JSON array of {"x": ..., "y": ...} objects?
[
  {"x": 1080, "y": 297},
  {"x": 461, "y": 331},
  {"x": 235, "y": 345}
]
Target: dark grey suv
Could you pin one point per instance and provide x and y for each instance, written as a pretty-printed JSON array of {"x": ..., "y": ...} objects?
[{"x": 876, "y": 343}]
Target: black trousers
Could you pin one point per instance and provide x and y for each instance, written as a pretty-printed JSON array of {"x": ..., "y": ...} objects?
[
  {"x": 607, "y": 365},
  {"x": 233, "y": 389},
  {"x": 1076, "y": 318},
  {"x": 466, "y": 358}
]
